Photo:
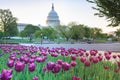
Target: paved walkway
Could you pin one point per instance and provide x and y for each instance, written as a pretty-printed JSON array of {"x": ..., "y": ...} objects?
[{"x": 98, "y": 46}]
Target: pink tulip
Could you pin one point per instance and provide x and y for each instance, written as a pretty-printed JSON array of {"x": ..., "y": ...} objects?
[
  {"x": 56, "y": 68},
  {"x": 19, "y": 66},
  {"x": 82, "y": 59},
  {"x": 73, "y": 58},
  {"x": 66, "y": 66},
  {"x": 50, "y": 65},
  {"x": 10, "y": 63},
  {"x": 87, "y": 63},
  {"x": 73, "y": 63},
  {"x": 106, "y": 67},
  {"x": 59, "y": 61},
  {"x": 35, "y": 78},
  {"x": 31, "y": 67},
  {"x": 6, "y": 74},
  {"x": 118, "y": 63}
]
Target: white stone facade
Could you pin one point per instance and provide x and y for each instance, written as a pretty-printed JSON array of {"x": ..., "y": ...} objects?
[{"x": 52, "y": 18}]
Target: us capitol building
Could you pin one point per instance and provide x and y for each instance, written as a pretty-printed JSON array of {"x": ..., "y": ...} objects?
[{"x": 52, "y": 20}]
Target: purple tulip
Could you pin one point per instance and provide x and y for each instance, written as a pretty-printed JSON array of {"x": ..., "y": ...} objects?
[
  {"x": 83, "y": 59},
  {"x": 6, "y": 74},
  {"x": 114, "y": 56},
  {"x": 31, "y": 60},
  {"x": 50, "y": 65},
  {"x": 100, "y": 58},
  {"x": 116, "y": 70},
  {"x": 35, "y": 78},
  {"x": 21, "y": 58},
  {"x": 118, "y": 63},
  {"x": 95, "y": 60},
  {"x": 33, "y": 56},
  {"x": 19, "y": 66},
  {"x": 108, "y": 56},
  {"x": 10, "y": 63},
  {"x": 54, "y": 55},
  {"x": 44, "y": 53},
  {"x": 87, "y": 63},
  {"x": 31, "y": 67},
  {"x": 44, "y": 68},
  {"x": 26, "y": 60},
  {"x": 59, "y": 61},
  {"x": 106, "y": 67},
  {"x": 73, "y": 58},
  {"x": 76, "y": 78},
  {"x": 93, "y": 52},
  {"x": 81, "y": 53},
  {"x": 56, "y": 68},
  {"x": 66, "y": 66},
  {"x": 73, "y": 63},
  {"x": 87, "y": 54},
  {"x": 38, "y": 59},
  {"x": 12, "y": 57},
  {"x": 118, "y": 55}
]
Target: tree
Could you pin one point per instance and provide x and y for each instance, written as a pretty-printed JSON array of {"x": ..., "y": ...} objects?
[
  {"x": 38, "y": 33},
  {"x": 88, "y": 32},
  {"x": 1, "y": 34},
  {"x": 64, "y": 31},
  {"x": 109, "y": 9},
  {"x": 22, "y": 34},
  {"x": 96, "y": 32},
  {"x": 118, "y": 33},
  {"x": 29, "y": 29},
  {"x": 8, "y": 23},
  {"x": 77, "y": 32},
  {"x": 49, "y": 32}
]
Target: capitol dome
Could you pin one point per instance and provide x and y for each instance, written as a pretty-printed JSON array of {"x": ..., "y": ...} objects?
[{"x": 52, "y": 18}]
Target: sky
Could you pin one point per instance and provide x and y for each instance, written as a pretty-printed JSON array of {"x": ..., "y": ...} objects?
[{"x": 36, "y": 11}]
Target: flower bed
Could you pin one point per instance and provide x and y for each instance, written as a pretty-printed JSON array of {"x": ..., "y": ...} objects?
[{"x": 38, "y": 63}]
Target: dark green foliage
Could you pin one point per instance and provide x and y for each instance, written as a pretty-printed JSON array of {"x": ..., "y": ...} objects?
[
  {"x": 77, "y": 32},
  {"x": 117, "y": 33},
  {"x": 29, "y": 29},
  {"x": 49, "y": 32},
  {"x": 64, "y": 31},
  {"x": 8, "y": 23},
  {"x": 1, "y": 34},
  {"x": 109, "y": 9},
  {"x": 38, "y": 33}
]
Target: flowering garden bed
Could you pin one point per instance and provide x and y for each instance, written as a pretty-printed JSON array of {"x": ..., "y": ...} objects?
[{"x": 38, "y": 63}]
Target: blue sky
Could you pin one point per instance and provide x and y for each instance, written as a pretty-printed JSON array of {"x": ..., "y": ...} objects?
[{"x": 36, "y": 12}]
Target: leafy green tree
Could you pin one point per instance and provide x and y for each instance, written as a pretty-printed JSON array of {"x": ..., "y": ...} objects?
[
  {"x": 77, "y": 32},
  {"x": 64, "y": 31},
  {"x": 103, "y": 35},
  {"x": 109, "y": 9},
  {"x": 22, "y": 34},
  {"x": 29, "y": 29},
  {"x": 38, "y": 33},
  {"x": 8, "y": 23},
  {"x": 96, "y": 32},
  {"x": 88, "y": 32},
  {"x": 1, "y": 34},
  {"x": 117, "y": 33},
  {"x": 49, "y": 32}
]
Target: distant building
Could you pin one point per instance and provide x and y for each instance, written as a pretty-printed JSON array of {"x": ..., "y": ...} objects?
[
  {"x": 52, "y": 18},
  {"x": 21, "y": 26}
]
